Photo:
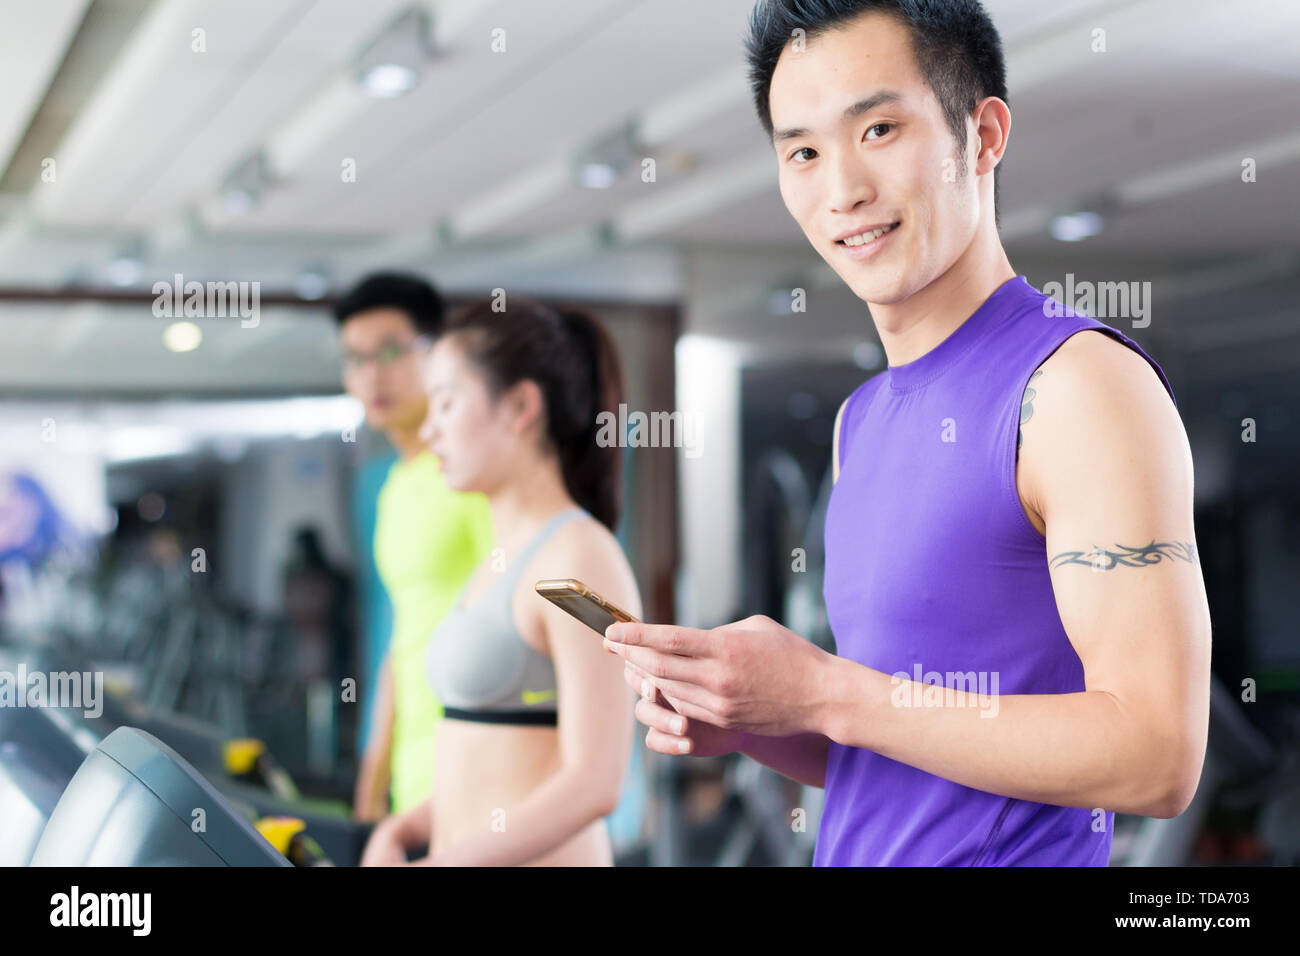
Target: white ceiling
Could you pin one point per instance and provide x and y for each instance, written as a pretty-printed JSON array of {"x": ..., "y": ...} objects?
[
  {"x": 32, "y": 43},
  {"x": 482, "y": 147}
]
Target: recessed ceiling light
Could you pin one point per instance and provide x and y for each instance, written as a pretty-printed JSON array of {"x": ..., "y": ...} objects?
[
  {"x": 244, "y": 186},
  {"x": 597, "y": 175},
  {"x": 392, "y": 64},
  {"x": 387, "y": 80},
  {"x": 237, "y": 202},
  {"x": 598, "y": 164},
  {"x": 311, "y": 285},
  {"x": 1075, "y": 226},
  {"x": 124, "y": 270},
  {"x": 182, "y": 337}
]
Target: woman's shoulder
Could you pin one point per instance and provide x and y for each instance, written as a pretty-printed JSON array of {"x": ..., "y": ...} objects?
[
  {"x": 585, "y": 549},
  {"x": 582, "y": 535}
]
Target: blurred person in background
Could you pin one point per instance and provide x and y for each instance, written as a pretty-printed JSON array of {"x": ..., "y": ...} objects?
[
  {"x": 428, "y": 538},
  {"x": 318, "y": 606},
  {"x": 320, "y": 624},
  {"x": 538, "y": 730}
]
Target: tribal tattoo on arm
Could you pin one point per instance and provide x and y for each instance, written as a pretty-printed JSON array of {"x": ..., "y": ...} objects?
[
  {"x": 1101, "y": 559},
  {"x": 1026, "y": 411}
]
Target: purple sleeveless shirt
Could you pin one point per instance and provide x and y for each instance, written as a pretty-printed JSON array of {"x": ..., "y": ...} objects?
[{"x": 934, "y": 573}]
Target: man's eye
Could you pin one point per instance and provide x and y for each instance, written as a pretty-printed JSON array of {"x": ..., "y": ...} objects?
[
  {"x": 880, "y": 126},
  {"x": 801, "y": 149}
]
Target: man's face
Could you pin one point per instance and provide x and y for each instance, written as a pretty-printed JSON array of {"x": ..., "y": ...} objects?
[
  {"x": 381, "y": 370},
  {"x": 895, "y": 162}
]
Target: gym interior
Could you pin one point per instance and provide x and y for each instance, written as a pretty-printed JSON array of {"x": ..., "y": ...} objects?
[{"x": 189, "y": 495}]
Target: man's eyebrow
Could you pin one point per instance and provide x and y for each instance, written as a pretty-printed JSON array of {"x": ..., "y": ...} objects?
[{"x": 866, "y": 105}]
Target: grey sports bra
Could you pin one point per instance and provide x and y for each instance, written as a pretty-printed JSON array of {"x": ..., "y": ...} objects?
[{"x": 479, "y": 666}]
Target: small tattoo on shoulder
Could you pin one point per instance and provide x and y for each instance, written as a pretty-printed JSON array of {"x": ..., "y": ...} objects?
[{"x": 1026, "y": 410}]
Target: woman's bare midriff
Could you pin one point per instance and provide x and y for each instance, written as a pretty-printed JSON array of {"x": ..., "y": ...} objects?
[{"x": 482, "y": 771}]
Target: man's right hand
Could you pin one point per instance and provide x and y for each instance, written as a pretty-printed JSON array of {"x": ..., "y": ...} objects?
[{"x": 656, "y": 712}]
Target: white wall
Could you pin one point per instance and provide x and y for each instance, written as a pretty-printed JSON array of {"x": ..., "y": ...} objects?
[
  {"x": 708, "y": 389},
  {"x": 266, "y": 496}
]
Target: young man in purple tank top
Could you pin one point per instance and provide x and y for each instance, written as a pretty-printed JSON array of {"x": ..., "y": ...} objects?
[{"x": 1021, "y": 626}]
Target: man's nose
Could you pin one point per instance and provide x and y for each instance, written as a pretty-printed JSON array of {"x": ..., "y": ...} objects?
[{"x": 850, "y": 183}]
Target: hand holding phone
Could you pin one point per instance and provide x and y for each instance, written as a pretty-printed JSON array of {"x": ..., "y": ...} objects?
[{"x": 591, "y": 609}]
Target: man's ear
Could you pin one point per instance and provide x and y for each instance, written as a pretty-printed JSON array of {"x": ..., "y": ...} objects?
[{"x": 992, "y": 131}]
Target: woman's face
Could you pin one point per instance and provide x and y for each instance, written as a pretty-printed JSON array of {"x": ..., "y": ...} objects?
[{"x": 464, "y": 429}]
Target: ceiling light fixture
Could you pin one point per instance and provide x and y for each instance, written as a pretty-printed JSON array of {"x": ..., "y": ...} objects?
[
  {"x": 599, "y": 164},
  {"x": 1075, "y": 226},
  {"x": 393, "y": 63},
  {"x": 312, "y": 284},
  {"x": 182, "y": 337},
  {"x": 244, "y": 186}
]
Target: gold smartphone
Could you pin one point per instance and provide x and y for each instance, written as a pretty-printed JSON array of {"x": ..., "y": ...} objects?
[{"x": 583, "y": 603}]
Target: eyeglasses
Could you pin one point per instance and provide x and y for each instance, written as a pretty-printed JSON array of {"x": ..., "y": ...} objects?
[{"x": 390, "y": 353}]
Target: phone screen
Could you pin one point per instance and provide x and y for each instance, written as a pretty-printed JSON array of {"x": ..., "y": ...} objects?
[
  {"x": 596, "y": 618},
  {"x": 570, "y": 597}
]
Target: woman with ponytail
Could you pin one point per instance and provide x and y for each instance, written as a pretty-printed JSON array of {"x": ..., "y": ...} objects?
[{"x": 538, "y": 724}]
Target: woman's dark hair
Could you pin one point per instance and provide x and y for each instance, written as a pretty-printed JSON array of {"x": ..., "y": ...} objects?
[
  {"x": 572, "y": 358},
  {"x": 956, "y": 46},
  {"x": 395, "y": 290}
]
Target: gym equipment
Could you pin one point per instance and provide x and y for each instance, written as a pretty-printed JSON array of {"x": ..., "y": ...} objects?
[
  {"x": 765, "y": 819},
  {"x": 1243, "y": 769},
  {"x": 202, "y": 745},
  {"x": 28, "y": 795},
  {"x": 178, "y": 640},
  {"x": 201, "y": 648},
  {"x": 41, "y": 749},
  {"x": 287, "y": 835},
  {"x": 37, "y": 759},
  {"x": 136, "y": 802}
]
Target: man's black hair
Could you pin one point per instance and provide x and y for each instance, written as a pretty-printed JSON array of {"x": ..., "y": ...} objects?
[
  {"x": 396, "y": 290},
  {"x": 957, "y": 49}
]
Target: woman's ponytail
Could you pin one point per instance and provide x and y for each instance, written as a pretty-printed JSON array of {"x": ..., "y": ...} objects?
[
  {"x": 573, "y": 360},
  {"x": 592, "y": 464}
]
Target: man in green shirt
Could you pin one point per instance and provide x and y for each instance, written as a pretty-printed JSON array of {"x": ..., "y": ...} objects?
[{"x": 428, "y": 538}]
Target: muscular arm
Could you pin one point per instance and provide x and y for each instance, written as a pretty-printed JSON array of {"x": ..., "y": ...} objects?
[{"x": 1111, "y": 475}]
